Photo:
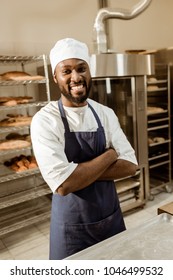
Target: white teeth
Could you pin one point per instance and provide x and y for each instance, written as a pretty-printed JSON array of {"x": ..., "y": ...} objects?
[{"x": 77, "y": 87}]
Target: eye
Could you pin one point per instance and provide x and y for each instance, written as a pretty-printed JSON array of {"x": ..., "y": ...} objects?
[
  {"x": 66, "y": 71},
  {"x": 82, "y": 69}
]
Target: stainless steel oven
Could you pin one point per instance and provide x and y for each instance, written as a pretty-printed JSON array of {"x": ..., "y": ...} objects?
[{"x": 119, "y": 81}]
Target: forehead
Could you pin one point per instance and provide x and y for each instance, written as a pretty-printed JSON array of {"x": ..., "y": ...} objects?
[{"x": 72, "y": 62}]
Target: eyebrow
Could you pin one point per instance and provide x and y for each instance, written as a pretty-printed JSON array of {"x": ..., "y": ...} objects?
[{"x": 83, "y": 63}]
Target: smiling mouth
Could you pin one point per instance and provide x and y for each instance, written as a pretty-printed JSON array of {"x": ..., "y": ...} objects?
[{"x": 77, "y": 89}]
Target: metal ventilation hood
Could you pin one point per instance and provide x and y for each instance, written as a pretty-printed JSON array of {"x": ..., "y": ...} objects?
[
  {"x": 99, "y": 34},
  {"x": 107, "y": 64},
  {"x": 118, "y": 64}
]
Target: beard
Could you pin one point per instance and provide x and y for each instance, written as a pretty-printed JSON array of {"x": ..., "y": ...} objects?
[{"x": 79, "y": 99}]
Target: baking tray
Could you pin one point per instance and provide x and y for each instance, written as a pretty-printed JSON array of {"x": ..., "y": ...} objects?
[{"x": 152, "y": 240}]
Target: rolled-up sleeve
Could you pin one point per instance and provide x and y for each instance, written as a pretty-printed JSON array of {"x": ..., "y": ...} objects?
[{"x": 118, "y": 140}]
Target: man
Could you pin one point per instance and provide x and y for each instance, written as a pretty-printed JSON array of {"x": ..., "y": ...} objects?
[{"x": 80, "y": 149}]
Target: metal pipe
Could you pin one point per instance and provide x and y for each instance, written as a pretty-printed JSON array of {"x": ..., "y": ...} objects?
[{"x": 100, "y": 38}]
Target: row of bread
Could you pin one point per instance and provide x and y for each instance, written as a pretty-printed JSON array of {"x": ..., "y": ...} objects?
[
  {"x": 154, "y": 110},
  {"x": 21, "y": 163},
  {"x": 19, "y": 76},
  {"x": 15, "y": 120},
  {"x": 153, "y": 140},
  {"x": 12, "y": 100},
  {"x": 16, "y": 76},
  {"x": 15, "y": 141}
]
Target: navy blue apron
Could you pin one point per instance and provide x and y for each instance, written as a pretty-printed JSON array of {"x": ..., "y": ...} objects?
[{"x": 88, "y": 216}]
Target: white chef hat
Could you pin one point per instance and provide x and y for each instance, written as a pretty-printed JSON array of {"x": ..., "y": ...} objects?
[{"x": 68, "y": 48}]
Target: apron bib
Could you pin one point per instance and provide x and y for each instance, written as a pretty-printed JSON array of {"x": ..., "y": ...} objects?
[{"x": 88, "y": 216}]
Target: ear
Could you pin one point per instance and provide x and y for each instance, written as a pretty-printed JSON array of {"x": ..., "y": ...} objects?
[{"x": 54, "y": 78}]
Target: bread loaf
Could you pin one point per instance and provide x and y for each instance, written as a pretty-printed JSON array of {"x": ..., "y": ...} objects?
[
  {"x": 19, "y": 76},
  {"x": 153, "y": 110},
  {"x": 21, "y": 163},
  {"x": 14, "y": 144},
  {"x": 15, "y": 120},
  {"x": 12, "y": 100}
]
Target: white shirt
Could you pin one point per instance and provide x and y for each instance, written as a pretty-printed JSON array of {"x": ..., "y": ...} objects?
[{"x": 47, "y": 134}]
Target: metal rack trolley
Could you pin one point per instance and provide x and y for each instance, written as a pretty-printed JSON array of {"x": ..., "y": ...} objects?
[{"x": 24, "y": 196}]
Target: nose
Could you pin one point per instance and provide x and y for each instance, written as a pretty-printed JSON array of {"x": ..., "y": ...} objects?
[{"x": 75, "y": 76}]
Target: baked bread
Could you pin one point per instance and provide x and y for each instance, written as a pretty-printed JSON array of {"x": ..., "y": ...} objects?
[
  {"x": 14, "y": 144},
  {"x": 153, "y": 110},
  {"x": 18, "y": 136},
  {"x": 152, "y": 80},
  {"x": 15, "y": 120},
  {"x": 15, "y": 141},
  {"x": 21, "y": 163},
  {"x": 152, "y": 88},
  {"x": 12, "y": 101},
  {"x": 19, "y": 76}
]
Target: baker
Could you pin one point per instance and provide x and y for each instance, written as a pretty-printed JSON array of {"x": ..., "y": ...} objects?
[{"x": 80, "y": 149}]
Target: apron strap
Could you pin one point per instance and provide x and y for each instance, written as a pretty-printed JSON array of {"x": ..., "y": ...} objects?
[
  {"x": 63, "y": 116},
  {"x": 95, "y": 115}
]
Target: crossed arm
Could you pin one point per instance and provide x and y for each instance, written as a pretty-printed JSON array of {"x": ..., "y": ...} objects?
[{"x": 104, "y": 167}]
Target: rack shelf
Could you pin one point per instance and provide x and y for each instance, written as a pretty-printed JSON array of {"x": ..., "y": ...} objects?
[
  {"x": 132, "y": 205},
  {"x": 159, "y": 164},
  {"x": 26, "y": 82},
  {"x": 11, "y": 151},
  {"x": 26, "y": 195},
  {"x": 12, "y": 59},
  {"x": 23, "y": 106},
  {"x": 158, "y": 89},
  {"x": 158, "y": 156},
  {"x": 24, "y": 214},
  {"x": 126, "y": 185},
  {"x": 9, "y": 175},
  {"x": 155, "y": 121},
  {"x": 159, "y": 143},
  {"x": 155, "y": 82},
  {"x": 158, "y": 127},
  {"x": 13, "y": 128}
]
